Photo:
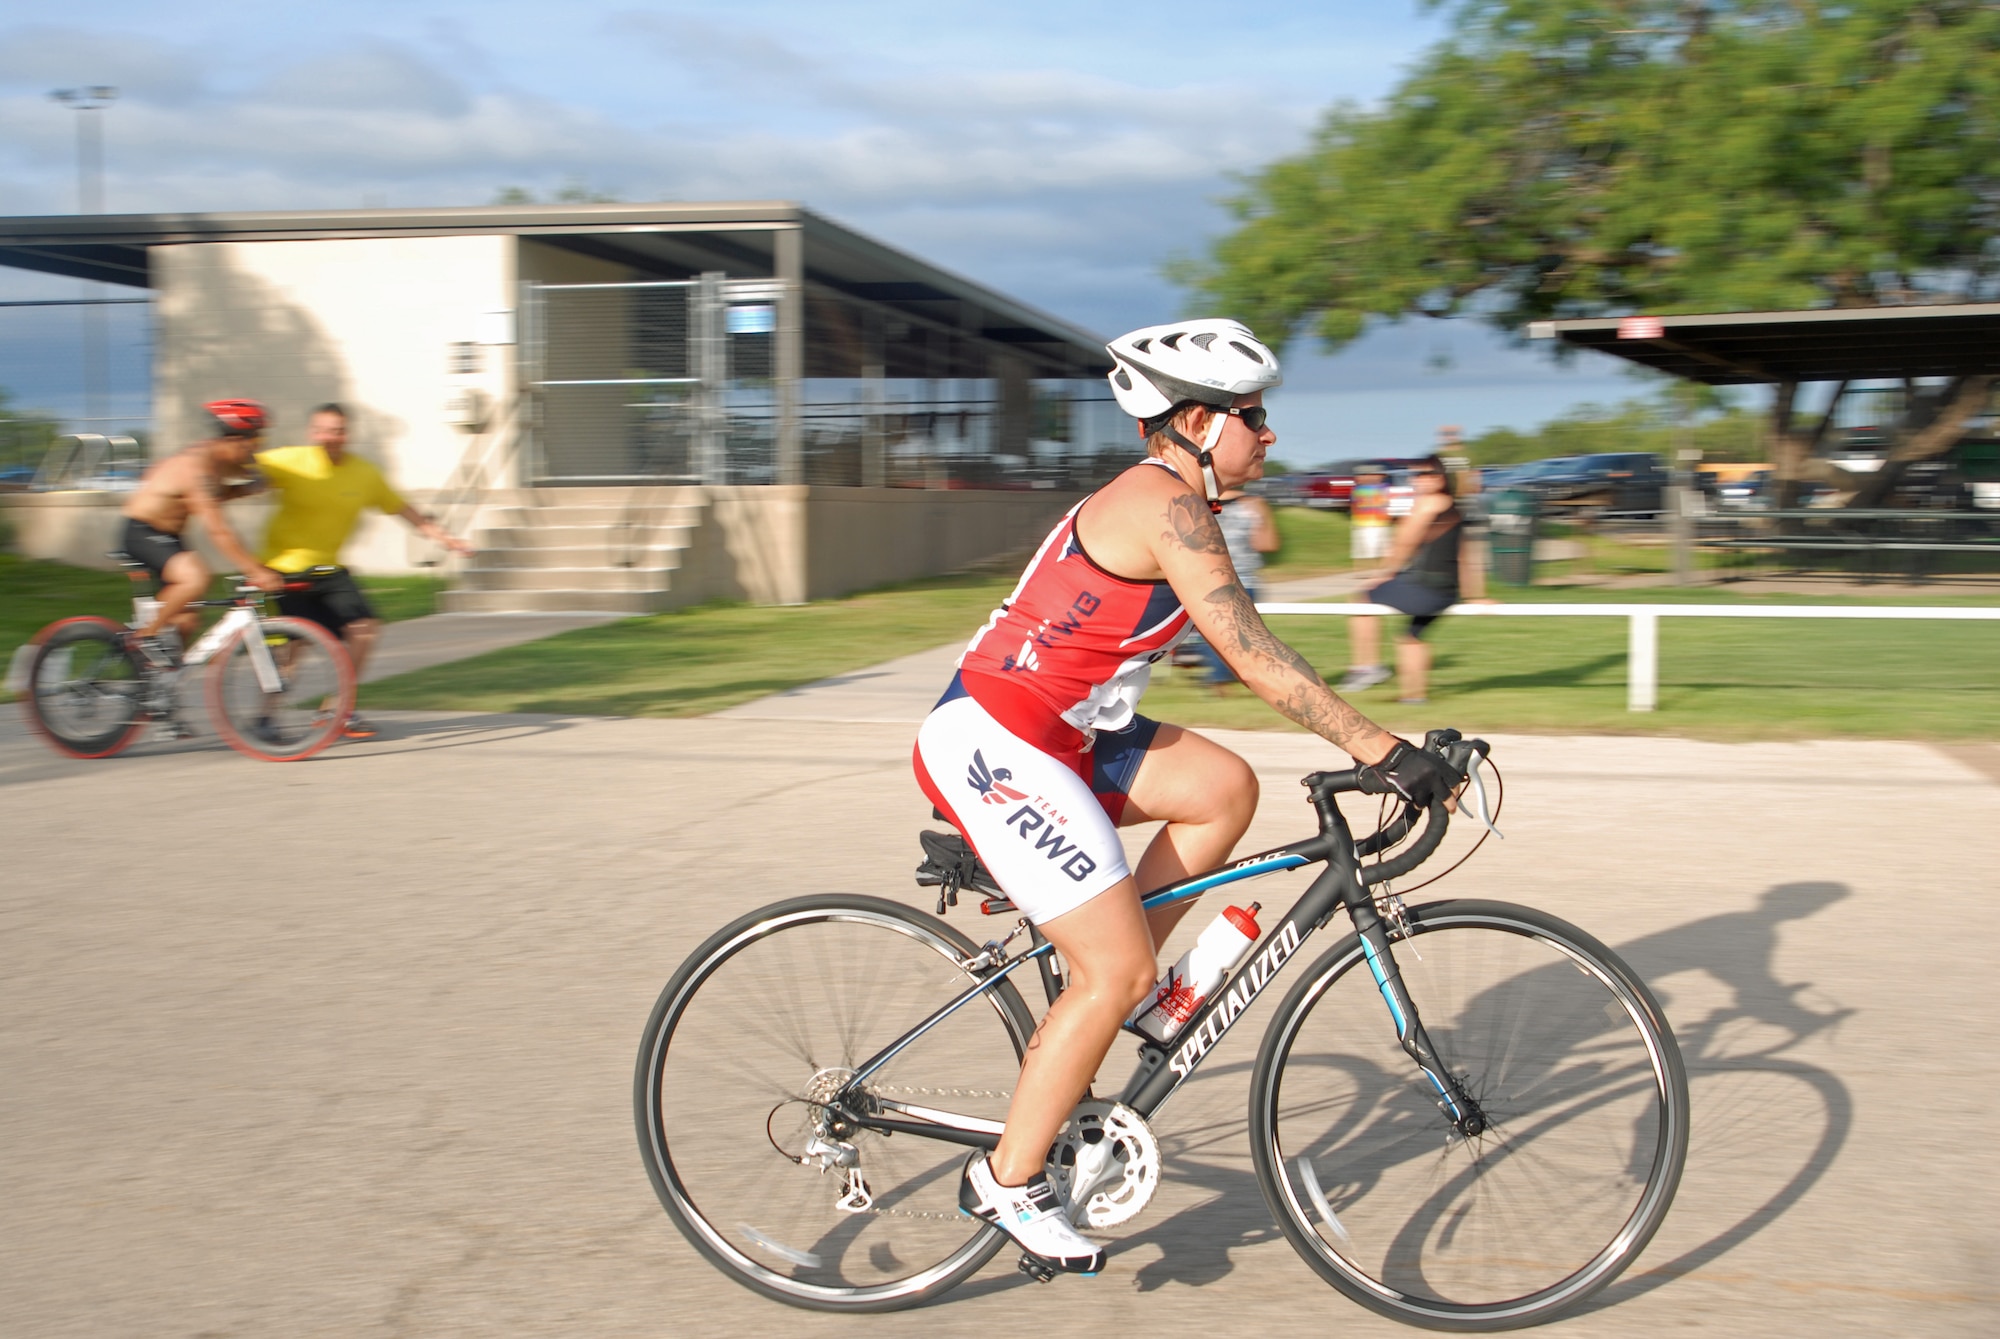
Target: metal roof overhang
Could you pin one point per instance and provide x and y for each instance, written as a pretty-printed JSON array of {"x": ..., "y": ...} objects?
[
  {"x": 671, "y": 240},
  {"x": 1846, "y": 344}
]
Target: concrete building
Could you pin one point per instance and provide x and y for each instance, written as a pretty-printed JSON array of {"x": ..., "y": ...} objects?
[{"x": 631, "y": 406}]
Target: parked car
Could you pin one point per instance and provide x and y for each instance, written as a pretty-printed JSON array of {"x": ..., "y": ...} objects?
[
  {"x": 1748, "y": 491},
  {"x": 1529, "y": 475},
  {"x": 1624, "y": 482},
  {"x": 1330, "y": 487}
]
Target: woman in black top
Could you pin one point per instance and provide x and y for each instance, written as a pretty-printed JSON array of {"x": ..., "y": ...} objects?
[{"x": 1434, "y": 567}]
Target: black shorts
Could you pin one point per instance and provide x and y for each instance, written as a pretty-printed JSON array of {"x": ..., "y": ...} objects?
[
  {"x": 150, "y": 547},
  {"x": 332, "y": 603},
  {"x": 1422, "y": 603}
]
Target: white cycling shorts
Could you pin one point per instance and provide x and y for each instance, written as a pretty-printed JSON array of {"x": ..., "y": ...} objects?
[{"x": 1032, "y": 817}]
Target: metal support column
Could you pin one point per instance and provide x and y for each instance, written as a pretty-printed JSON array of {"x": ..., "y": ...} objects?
[
  {"x": 530, "y": 367},
  {"x": 789, "y": 262},
  {"x": 711, "y": 364}
]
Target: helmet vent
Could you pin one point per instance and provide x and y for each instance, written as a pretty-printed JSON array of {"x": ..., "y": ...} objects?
[
  {"x": 1173, "y": 341},
  {"x": 1247, "y": 351},
  {"x": 1124, "y": 379},
  {"x": 1203, "y": 340},
  {"x": 1143, "y": 345}
]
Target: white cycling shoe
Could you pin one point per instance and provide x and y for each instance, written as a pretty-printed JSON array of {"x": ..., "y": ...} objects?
[{"x": 1031, "y": 1214}]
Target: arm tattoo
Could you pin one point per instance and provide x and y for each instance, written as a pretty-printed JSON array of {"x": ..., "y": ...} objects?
[
  {"x": 1194, "y": 527},
  {"x": 1306, "y": 699}
]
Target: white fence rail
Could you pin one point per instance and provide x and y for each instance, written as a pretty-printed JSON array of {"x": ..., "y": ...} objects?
[{"x": 1642, "y": 675}]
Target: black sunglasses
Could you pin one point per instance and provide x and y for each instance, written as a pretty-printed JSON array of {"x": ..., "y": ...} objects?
[{"x": 1253, "y": 418}]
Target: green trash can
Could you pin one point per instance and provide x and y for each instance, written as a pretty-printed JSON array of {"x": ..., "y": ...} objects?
[{"x": 1513, "y": 516}]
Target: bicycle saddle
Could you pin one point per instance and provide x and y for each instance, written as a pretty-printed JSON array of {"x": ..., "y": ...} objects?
[{"x": 950, "y": 864}]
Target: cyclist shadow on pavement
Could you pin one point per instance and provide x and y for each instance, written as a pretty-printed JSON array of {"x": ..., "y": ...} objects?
[
  {"x": 451, "y": 732},
  {"x": 1754, "y": 1106},
  {"x": 1752, "y": 1103}
]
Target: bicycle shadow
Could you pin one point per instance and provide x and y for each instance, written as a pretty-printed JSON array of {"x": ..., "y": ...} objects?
[
  {"x": 1746, "y": 1098},
  {"x": 401, "y": 735},
  {"x": 1748, "y": 1112}
]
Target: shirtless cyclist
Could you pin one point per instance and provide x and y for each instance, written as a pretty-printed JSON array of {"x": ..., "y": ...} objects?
[{"x": 194, "y": 482}]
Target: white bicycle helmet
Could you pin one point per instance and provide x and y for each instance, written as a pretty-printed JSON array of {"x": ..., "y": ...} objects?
[{"x": 1210, "y": 361}]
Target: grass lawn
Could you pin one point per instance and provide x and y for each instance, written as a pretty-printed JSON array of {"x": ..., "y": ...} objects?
[
  {"x": 1728, "y": 679},
  {"x": 694, "y": 661},
  {"x": 1720, "y": 678},
  {"x": 34, "y": 594},
  {"x": 1311, "y": 543}
]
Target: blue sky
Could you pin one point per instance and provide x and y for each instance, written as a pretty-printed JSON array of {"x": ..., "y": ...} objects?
[{"x": 1060, "y": 152}]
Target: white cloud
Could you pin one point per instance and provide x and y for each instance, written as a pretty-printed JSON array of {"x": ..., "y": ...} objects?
[{"x": 1015, "y": 176}]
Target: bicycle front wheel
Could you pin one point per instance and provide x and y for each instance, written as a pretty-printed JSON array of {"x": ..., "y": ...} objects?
[
  {"x": 86, "y": 693},
  {"x": 764, "y": 1023},
  {"x": 299, "y": 709},
  {"x": 1572, "y": 1063}
]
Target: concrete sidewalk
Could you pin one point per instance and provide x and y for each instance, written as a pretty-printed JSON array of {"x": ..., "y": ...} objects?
[
  {"x": 352, "y": 1055},
  {"x": 439, "y": 639}
]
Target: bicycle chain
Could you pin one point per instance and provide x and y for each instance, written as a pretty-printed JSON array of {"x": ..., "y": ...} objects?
[
  {"x": 876, "y": 1210},
  {"x": 909, "y": 1090}
]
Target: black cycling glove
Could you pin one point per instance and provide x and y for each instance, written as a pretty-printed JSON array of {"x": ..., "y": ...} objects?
[{"x": 1419, "y": 777}]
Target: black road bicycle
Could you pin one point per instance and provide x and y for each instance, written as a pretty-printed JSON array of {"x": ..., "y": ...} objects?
[{"x": 1491, "y": 1153}]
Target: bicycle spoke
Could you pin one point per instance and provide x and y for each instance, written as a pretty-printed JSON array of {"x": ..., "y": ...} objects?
[
  {"x": 1427, "y": 1222},
  {"x": 748, "y": 1056}
]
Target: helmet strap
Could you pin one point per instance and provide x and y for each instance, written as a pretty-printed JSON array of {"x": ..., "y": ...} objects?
[{"x": 1204, "y": 456}]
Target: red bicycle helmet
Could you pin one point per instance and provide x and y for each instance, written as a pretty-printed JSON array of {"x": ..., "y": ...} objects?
[{"x": 237, "y": 418}]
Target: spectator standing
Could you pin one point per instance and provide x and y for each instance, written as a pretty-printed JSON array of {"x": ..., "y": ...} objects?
[
  {"x": 1250, "y": 531},
  {"x": 322, "y": 490},
  {"x": 1368, "y": 509}
]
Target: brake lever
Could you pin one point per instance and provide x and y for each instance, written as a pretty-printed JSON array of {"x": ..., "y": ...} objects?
[{"x": 1481, "y": 810}]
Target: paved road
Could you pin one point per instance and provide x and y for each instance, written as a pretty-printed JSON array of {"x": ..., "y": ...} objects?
[{"x": 344, "y": 1047}]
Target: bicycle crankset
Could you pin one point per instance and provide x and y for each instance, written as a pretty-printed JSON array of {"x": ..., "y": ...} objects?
[{"x": 1105, "y": 1164}]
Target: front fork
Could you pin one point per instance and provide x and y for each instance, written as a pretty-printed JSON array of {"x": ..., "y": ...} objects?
[
  {"x": 1453, "y": 1100},
  {"x": 262, "y": 663}
]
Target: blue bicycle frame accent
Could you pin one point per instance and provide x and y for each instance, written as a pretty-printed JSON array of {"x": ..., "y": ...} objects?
[
  {"x": 1341, "y": 885},
  {"x": 1268, "y": 863}
]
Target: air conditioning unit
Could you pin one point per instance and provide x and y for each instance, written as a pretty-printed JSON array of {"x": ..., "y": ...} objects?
[{"x": 466, "y": 408}]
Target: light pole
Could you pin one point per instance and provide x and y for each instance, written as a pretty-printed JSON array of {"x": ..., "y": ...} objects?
[
  {"x": 89, "y": 142},
  {"x": 89, "y": 104}
]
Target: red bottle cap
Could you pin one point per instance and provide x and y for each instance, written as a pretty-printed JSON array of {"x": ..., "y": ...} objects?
[{"x": 1245, "y": 921}]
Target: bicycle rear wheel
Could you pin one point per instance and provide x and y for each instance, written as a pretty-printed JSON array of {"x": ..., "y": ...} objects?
[
  {"x": 315, "y": 691},
  {"x": 776, "y": 1011},
  {"x": 86, "y": 693},
  {"x": 1573, "y": 1064}
]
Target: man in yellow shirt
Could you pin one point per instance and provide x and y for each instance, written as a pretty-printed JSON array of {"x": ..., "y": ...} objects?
[{"x": 322, "y": 491}]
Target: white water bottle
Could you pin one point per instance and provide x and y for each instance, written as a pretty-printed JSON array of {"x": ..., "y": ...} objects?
[{"x": 1189, "y": 982}]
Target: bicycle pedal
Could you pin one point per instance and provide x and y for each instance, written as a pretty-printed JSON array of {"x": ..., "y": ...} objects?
[{"x": 1038, "y": 1269}]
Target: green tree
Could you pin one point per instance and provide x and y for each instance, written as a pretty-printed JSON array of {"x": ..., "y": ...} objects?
[
  {"x": 1557, "y": 158},
  {"x": 1661, "y": 423}
]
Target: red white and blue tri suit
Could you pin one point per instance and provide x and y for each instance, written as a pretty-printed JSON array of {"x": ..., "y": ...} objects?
[{"x": 1033, "y": 746}]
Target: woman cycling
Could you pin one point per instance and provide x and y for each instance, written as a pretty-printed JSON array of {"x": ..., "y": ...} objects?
[{"x": 1036, "y": 754}]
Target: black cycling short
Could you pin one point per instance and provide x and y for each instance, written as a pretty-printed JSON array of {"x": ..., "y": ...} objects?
[
  {"x": 151, "y": 547},
  {"x": 1407, "y": 595},
  {"x": 332, "y": 603}
]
